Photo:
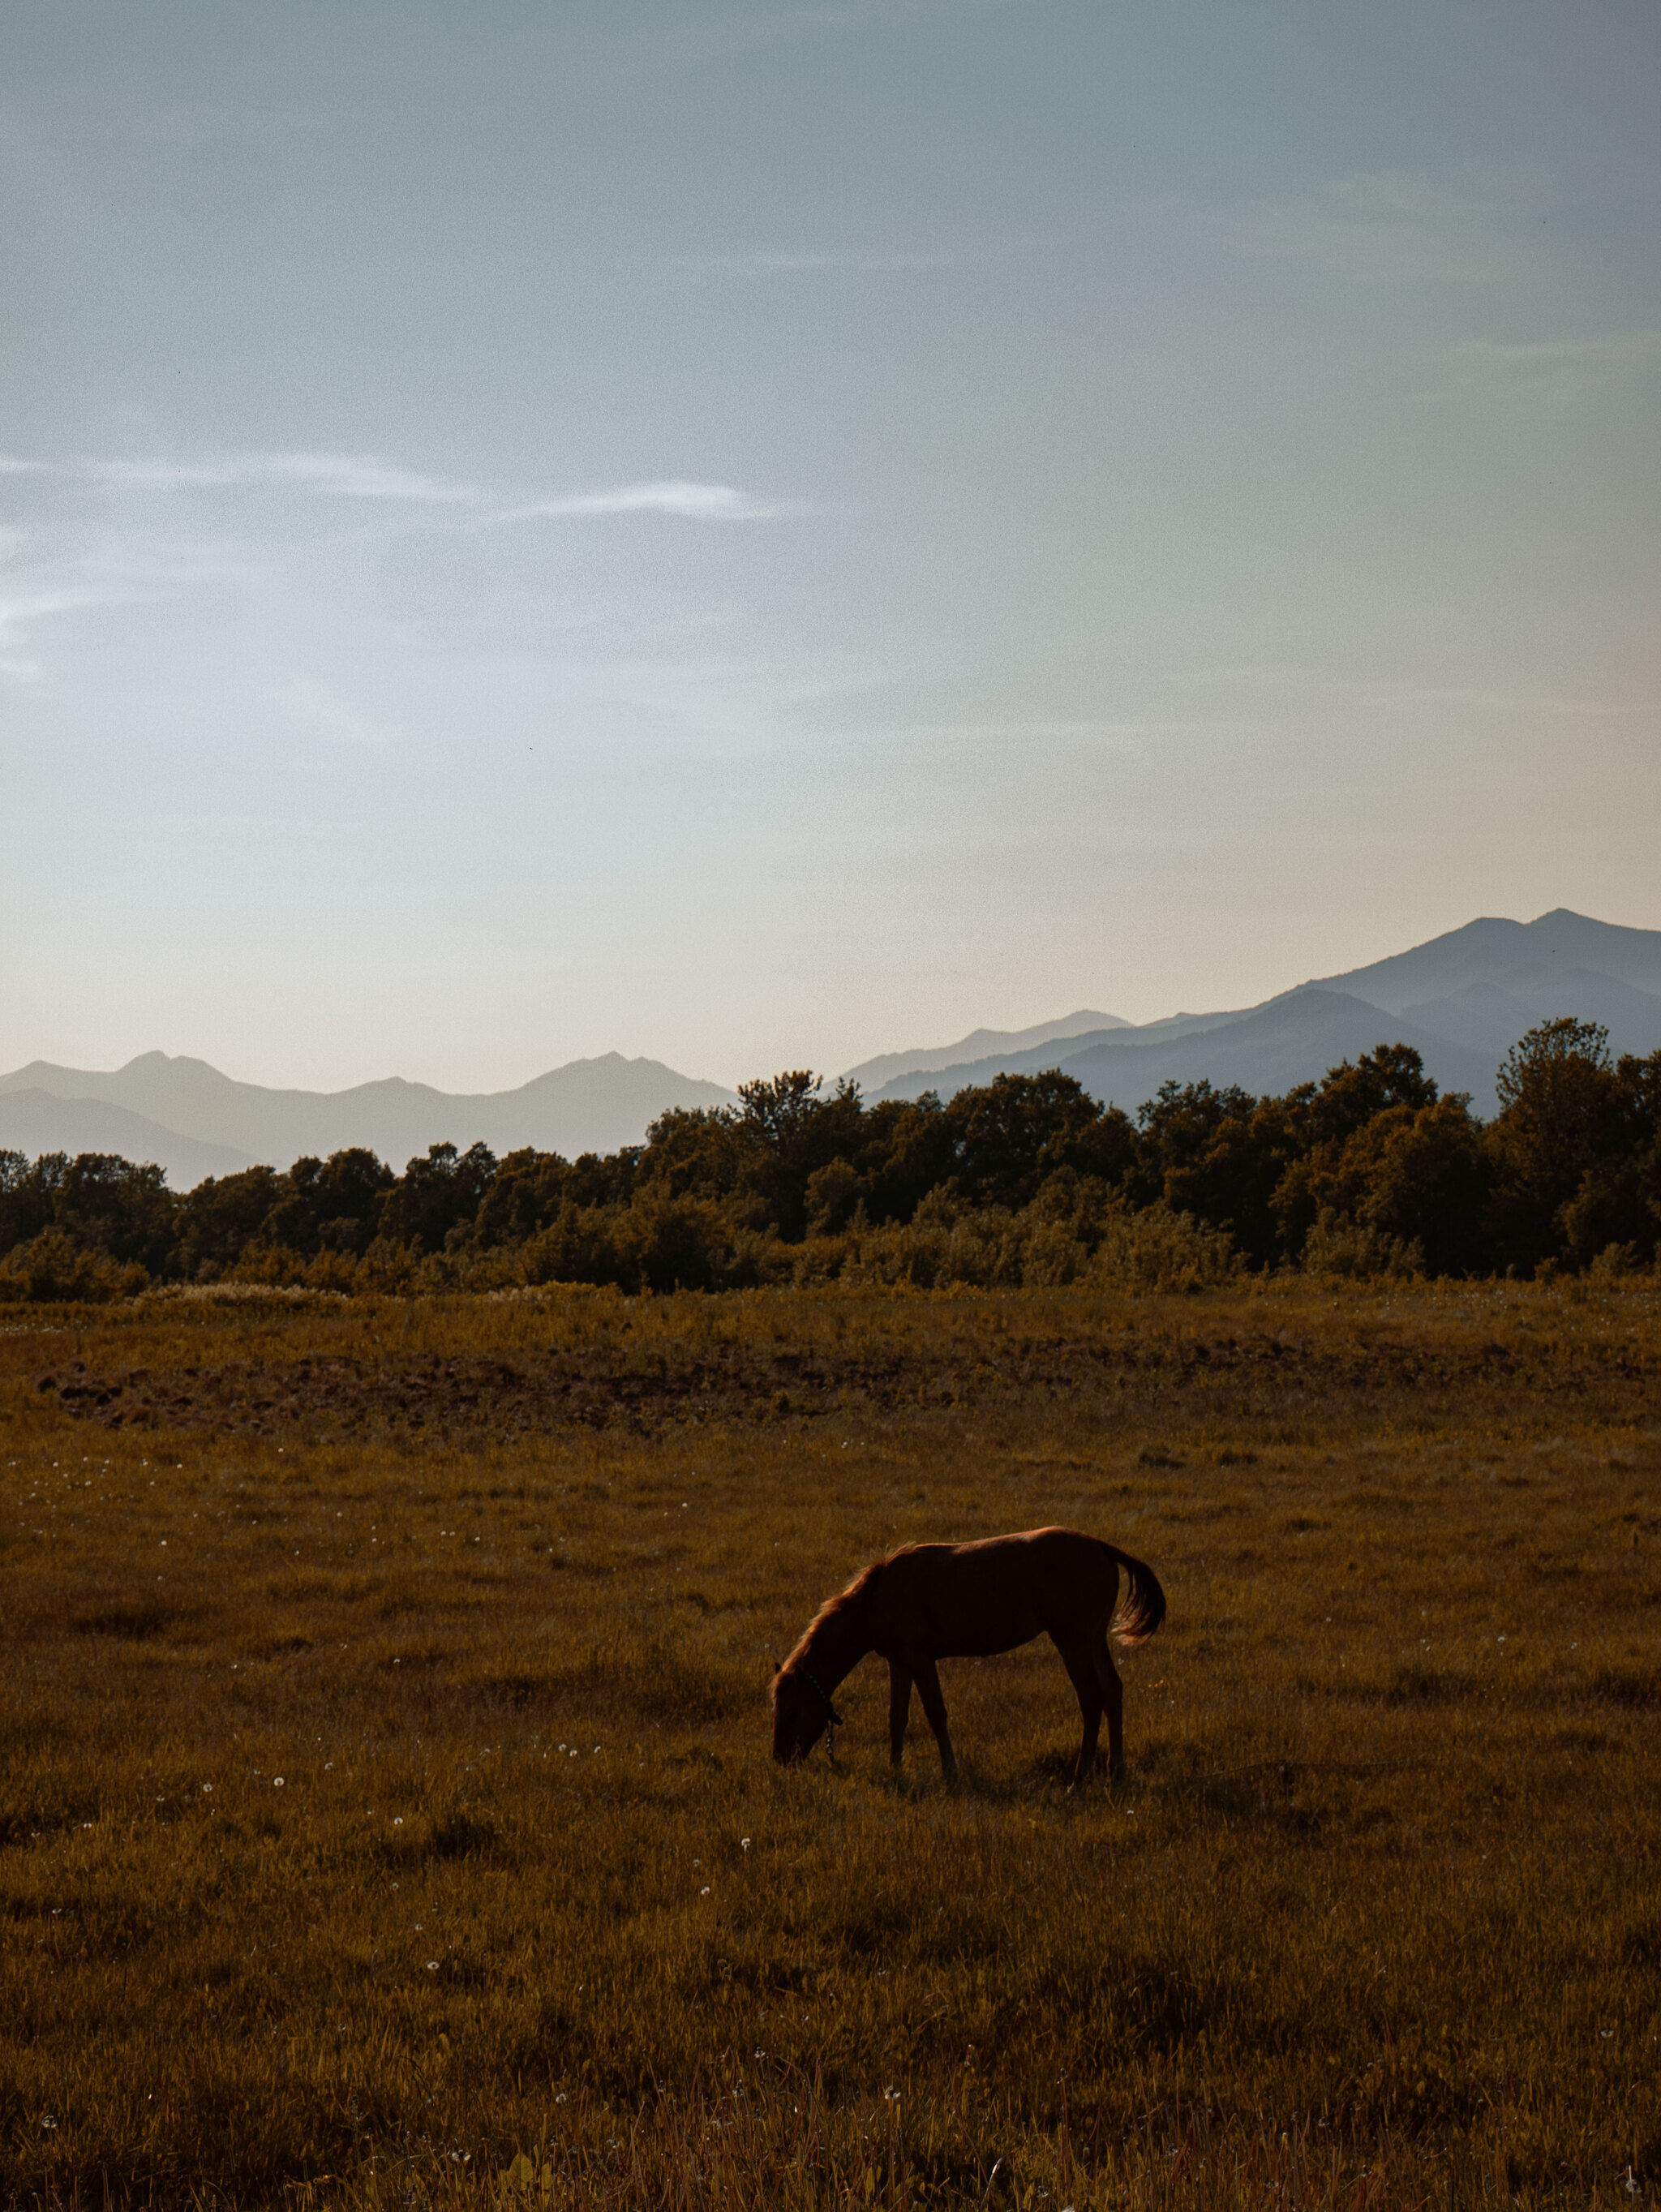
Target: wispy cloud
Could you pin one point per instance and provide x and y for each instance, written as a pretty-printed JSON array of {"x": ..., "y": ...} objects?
[
  {"x": 27, "y": 600},
  {"x": 140, "y": 554},
  {"x": 324, "y": 707},
  {"x": 767, "y": 262},
  {"x": 1387, "y": 228},
  {"x": 1491, "y": 700},
  {"x": 693, "y": 502},
  {"x": 702, "y": 30},
  {"x": 361, "y": 477},
  {"x": 343, "y": 476},
  {"x": 1259, "y": 678},
  {"x": 1557, "y": 370},
  {"x": 37, "y": 589},
  {"x": 21, "y": 610}
]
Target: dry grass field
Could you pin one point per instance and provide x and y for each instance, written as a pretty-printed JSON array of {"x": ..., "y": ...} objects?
[{"x": 387, "y": 1817}]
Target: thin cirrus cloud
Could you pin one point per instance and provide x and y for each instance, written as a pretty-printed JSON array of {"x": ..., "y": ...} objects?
[
  {"x": 1387, "y": 228},
  {"x": 366, "y": 476},
  {"x": 766, "y": 263},
  {"x": 1553, "y": 369},
  {"x": 694, "y": 502},
  {"x": 75, "y": 579},
  {"x": 21, "y": 611},
  {"x": 344, "y": 476}
]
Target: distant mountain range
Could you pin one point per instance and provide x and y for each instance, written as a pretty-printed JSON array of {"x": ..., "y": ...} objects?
[
  {"x": 33, "y": 1121},
  {"x": 1461, "y": 1000},
  {"x": 193, "y": 1120},
  {"x": 872, "y": 1074}
]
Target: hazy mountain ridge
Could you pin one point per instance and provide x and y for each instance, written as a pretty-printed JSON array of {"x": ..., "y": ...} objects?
[
  {"x": 1270, "y": 1049},
  {"x": 872, "y": 1074},
  {"x": 1522, "y": 955},
  {"x": 33, "y": 1121},
  {"x": 1461, "y": 1000},
  {"x": 588, "y": 1105}
]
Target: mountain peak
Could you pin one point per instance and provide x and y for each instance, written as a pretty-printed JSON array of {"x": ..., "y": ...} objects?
[{"x": 1461, "y": 1000}]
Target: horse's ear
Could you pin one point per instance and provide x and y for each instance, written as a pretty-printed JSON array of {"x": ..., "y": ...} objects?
[{"x": 775, "y": 1670}]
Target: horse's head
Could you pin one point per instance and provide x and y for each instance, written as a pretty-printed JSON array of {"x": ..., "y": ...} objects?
[{"x": 801, "y": 1714}]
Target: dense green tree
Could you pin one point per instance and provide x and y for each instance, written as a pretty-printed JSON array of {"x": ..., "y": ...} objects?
[
  {"x": 777, "y": 1109},
  {"x": 530, "y": 1190},
  {"x": 1216, "y": 1154},
  {"x": 100, "y": 1203},
  {"x": 437, "y": 1196},
  {"x": 343, "y": 1198},
  {"x": 578, "y": 1245},
  {"x": 26, "y": 1191},
  {"x": 604, "y": 1178},
  {"x": 790, "y": 1129},
  {"x": 1561, "y": 1118},
  {"x": 1349, "y": 1094},
  {"x": 1421, "y": 1175},
  {"x": 220, "y": 1218},
  {"x": 106, "y": 1204},
  {"x": 908, "y": 1150},
  {"x": 1176, "y": 1127},
  {"x": 697, "y": 1152},
  {"x": 1316, "y": 1123},
  {"x": 1617, "y": 1202},
  {"x": 317, "y": 1206},
  {"x": 1009, "y": 1135},
  {"x": 1557, "y": 1101},
  {"x": 668, "y": 1244},
  {"x": 53, "y": 1266},
  {"x": 526, "y": 1194},
  {"x": 835, "y": 1195}
]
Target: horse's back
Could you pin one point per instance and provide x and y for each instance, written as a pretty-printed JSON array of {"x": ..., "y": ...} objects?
[
  {"x": 971, "y": 1600},
  {"x": 1058, "y": 1558}
]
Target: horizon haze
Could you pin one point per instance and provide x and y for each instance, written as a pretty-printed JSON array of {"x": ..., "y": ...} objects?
[{"x": 1460, "y": 1000}]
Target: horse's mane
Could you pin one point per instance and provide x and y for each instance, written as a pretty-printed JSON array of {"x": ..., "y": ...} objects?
[{"x": 844, "y": 1601}]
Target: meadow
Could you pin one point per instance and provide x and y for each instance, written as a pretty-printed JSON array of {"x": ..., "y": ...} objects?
[{"x": 387, "y": 1814}]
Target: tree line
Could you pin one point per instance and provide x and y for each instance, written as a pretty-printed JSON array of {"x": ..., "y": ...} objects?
[{"x": 1024, "y": 1180}]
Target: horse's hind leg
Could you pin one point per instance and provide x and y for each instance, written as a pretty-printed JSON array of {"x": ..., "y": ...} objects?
[
  {"x": 1076, "y": 1657},
  {"x": 899, "y": 1708},
  {"x": 928, "y": 1688},
  {"x": 1113, "y": 1696}
]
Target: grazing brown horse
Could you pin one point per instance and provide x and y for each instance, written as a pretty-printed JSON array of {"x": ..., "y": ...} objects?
[{"x": 929, "y": 1601}]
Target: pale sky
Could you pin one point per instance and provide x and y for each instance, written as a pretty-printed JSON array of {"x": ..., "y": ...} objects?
[{"x": 764, "y": 534}]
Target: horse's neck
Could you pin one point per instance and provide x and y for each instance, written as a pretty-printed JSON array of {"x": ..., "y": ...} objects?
[{"x": 838, "y": 1647}]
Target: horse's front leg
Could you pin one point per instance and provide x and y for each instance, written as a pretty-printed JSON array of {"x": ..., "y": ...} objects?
[
  {"x": 900, "y": 1709},
  {"x": 928, "y": 1688}
]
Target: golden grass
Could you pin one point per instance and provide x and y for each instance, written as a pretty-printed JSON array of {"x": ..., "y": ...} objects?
[{"x": 386, "y": 1814}]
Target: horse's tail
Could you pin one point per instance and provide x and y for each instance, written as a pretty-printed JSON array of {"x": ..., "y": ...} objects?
[{"x": 1139, "y": 1611}]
